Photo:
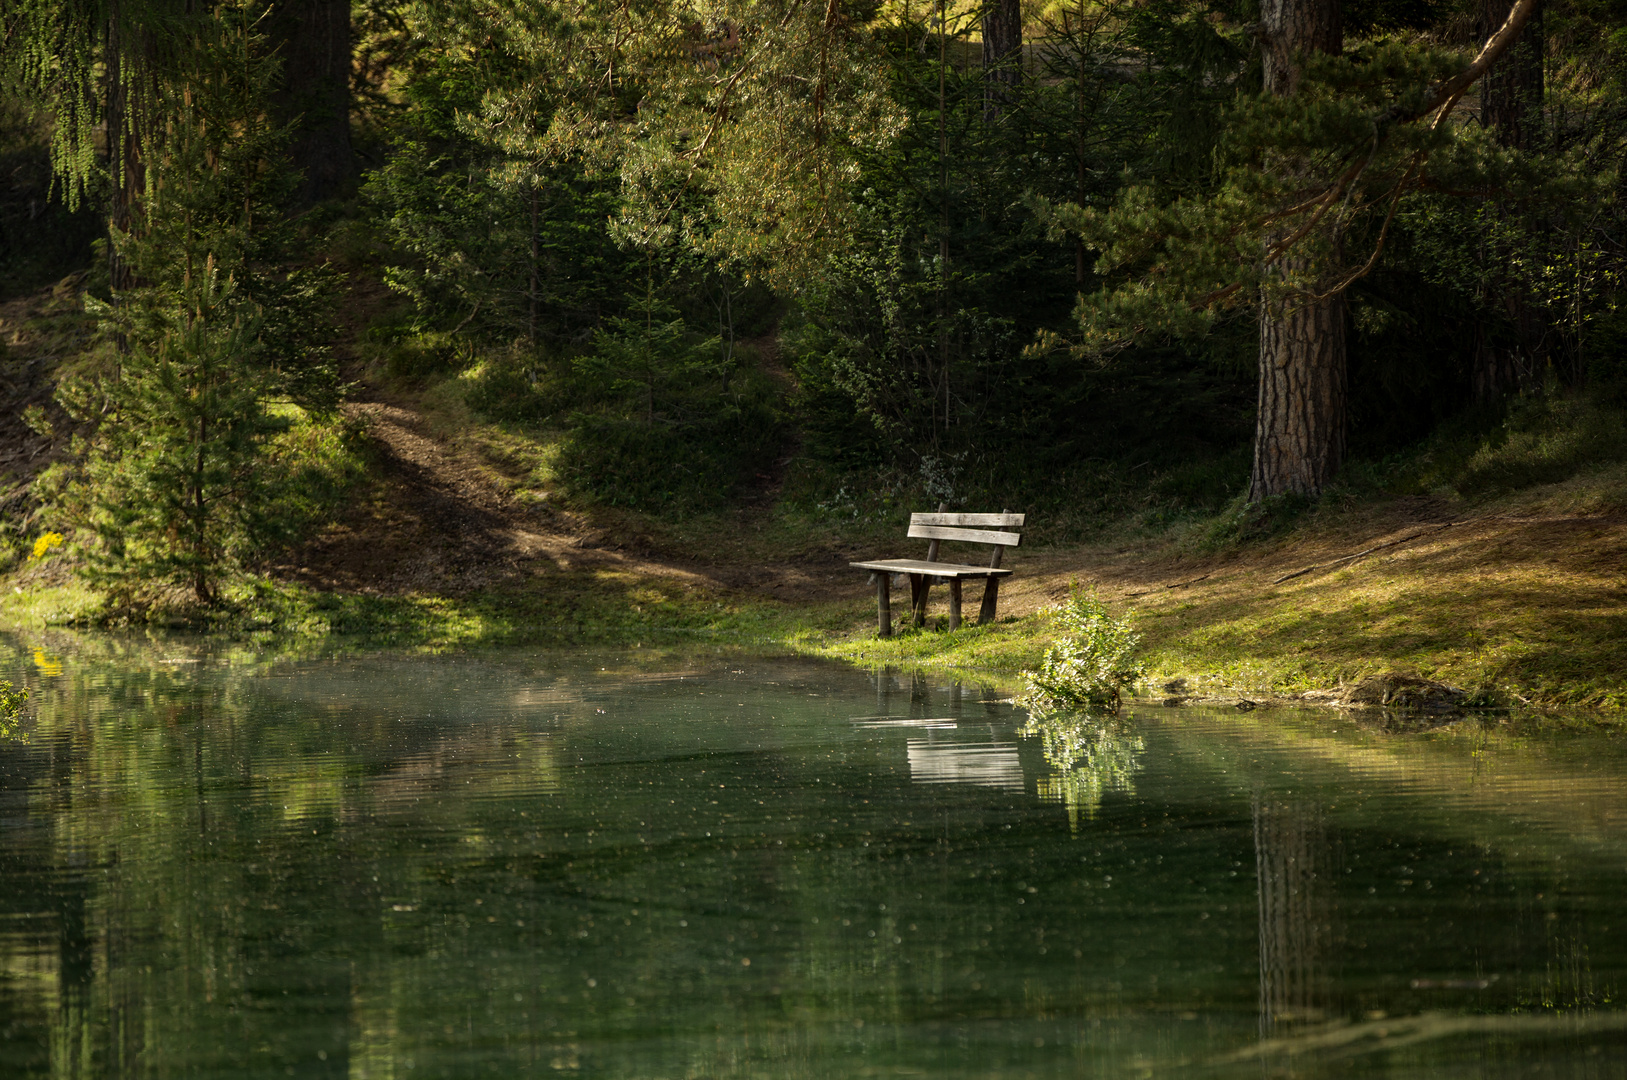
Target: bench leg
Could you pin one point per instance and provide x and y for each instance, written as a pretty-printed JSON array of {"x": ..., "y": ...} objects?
[
  {"x": 920, "y": 586},
  {"x": 991, "y": 600},
  {"x": 954, "y": 603},
  {"x": 884, "y": 604}
]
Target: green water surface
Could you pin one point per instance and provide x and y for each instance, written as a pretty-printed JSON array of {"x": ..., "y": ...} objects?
[{"x": 226, "y": 863}]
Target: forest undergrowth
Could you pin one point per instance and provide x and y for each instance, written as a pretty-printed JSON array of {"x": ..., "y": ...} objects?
[{"x": 1495, "y": 554}]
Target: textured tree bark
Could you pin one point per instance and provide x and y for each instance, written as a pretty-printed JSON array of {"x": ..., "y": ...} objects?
[
  {"x": 1511, "y": 90},
  {"x": 315, "y": 95},
  {"x": 1299, "y": 431},
  {"x": 1002, "y": 55},
  {"x": 127, "y": 66},
  {"x": 1511, "y": 98},
  {"x": 1299, "y": 434},
  {"x": 1291, "y": 28}
]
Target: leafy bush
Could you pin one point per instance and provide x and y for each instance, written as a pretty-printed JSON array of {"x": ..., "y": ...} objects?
[
  {"x": 1205, "y": 482},
  {"x": 667, "y": 422},
  {"x": 1091, "y": 665},
  {"x": 415, "y": 359},
  {"x": 515, "y": 388},
  {"x": 669, "y": 468},
  {"x": 1244, "y": 522}
]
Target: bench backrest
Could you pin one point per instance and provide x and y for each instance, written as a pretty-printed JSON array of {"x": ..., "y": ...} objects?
[{"x": 969, "y": 528}]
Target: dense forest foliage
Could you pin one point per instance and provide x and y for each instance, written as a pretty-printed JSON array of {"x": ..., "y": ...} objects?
[{"x": 1160, "y": 258}]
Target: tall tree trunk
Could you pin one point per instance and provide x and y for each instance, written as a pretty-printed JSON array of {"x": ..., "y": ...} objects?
[
  {"x": 1511, "y": 98},
  {"x": 1299, "y": 435},
  {"x": 315, "y": 95},
  {"x": 128, "y": 65},
  {"x": 1512, "y": 88},
  {"x": 1002, "y": 55}
]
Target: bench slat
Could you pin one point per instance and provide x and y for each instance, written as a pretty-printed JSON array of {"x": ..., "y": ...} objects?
[
  {"x": 1004, "y": 521},
  {"x": 970, "y": 536},
  {"x": 930, "y": 569}
]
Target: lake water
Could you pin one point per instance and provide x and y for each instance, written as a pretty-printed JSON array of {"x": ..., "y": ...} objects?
[{"x": 221, "y": 863}]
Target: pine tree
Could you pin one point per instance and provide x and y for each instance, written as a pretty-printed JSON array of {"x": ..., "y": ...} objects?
[
  {"x": 176, "y": 485},
  {"x": 1313, "y": 172},
  {"x": 1299, "y": 435},
  {"x": 175, "y": 477},
  {"x": 1003, "y": 59}
]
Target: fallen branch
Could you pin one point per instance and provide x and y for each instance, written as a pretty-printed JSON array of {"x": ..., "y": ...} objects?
[
  {"x": 1369, "y": 551},
  {"x": 1166, "y": 588}
]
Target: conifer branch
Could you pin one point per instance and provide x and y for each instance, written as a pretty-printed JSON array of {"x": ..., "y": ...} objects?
[
  {"x": 1440, "y": 101},
  {"x": 1447, "y": 92}
]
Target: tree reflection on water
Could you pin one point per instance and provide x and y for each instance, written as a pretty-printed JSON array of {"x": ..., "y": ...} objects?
[
  {"x": 1293, "y": 859},
  {"x": 503, "y": 865}
]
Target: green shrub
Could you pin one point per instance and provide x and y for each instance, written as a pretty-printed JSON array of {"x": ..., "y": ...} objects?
[
  {"x": 516, "y": 387},
  {"x": 1208, "y": 482},
  {"x": 1243, "y": 522},
  {"x": 665, "y": 422},
  {"x": 414, "y": 359},
  {"x": 668, "y": 468},
  {"x": 1544, "y": 442},
  {"x": 1091, "y": 665}
]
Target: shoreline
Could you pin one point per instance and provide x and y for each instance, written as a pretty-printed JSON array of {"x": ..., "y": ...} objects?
[{"x": 1542, "y": 628}]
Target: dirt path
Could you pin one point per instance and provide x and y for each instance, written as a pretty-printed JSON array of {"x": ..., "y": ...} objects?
[{"x": 437, "y": 520}]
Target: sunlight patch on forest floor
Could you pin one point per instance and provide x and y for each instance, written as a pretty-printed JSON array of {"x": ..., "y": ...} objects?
[{"x": 1513, "y": 603}]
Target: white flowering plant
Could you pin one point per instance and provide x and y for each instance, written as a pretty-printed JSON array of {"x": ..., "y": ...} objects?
[{"x": 1091, "y": 665}]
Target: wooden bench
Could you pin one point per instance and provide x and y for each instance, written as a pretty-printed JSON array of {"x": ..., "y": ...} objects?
[{"x": 966, "y": 528}]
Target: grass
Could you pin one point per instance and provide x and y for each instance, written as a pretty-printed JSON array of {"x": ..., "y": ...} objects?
[
  {"x": 1525, "y": 599},
  {"x": 1538, "y": 630},
  {"x": 563, "y": 608}
]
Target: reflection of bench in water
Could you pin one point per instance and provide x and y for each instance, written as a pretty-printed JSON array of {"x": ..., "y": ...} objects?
[{"x": 980, "y": 764}]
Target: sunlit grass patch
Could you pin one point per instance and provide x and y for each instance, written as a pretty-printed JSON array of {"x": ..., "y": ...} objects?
[
  {"x": 1001, "y": 649},
  {"x": 47, "y": 605},
  {"x": 1531, "y": 619}
]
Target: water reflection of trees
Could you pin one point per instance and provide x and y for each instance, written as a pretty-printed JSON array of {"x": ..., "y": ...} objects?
[
  {"x": 194, "y": 841},
  {"x": 1091, "y": 755},
  {"x": 197, "y": 864},
  {"x": 1294, "y": 858}
]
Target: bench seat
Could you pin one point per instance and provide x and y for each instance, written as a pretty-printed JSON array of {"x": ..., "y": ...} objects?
[{"x": 930, "y": 569}]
